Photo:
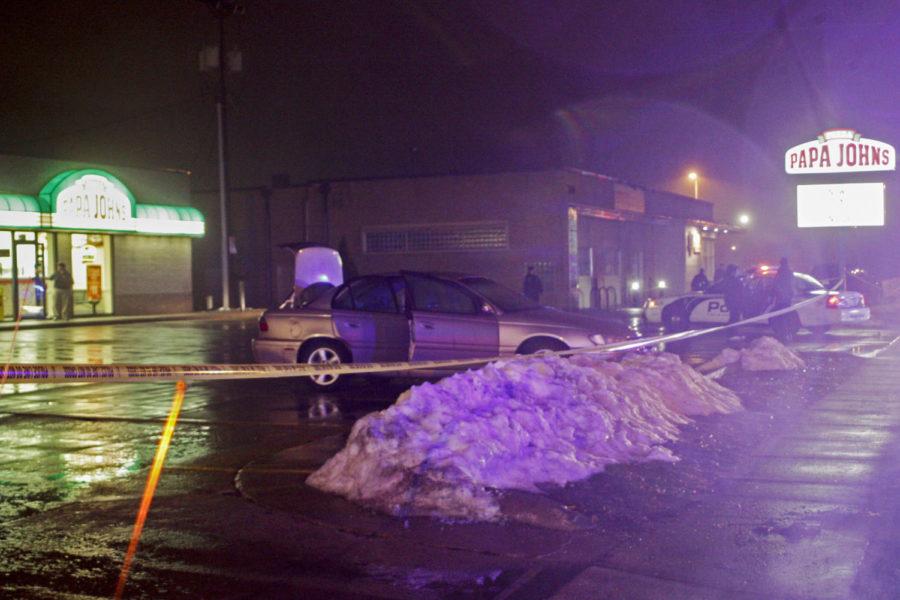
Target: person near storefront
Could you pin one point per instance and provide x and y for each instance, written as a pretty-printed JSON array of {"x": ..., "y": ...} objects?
[{"x": 62, "y": 292}]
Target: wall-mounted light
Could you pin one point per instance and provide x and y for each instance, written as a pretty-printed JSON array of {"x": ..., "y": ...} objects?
[
  {"x": 635, "y": 286},
  {"x": 661, "y": 284}
]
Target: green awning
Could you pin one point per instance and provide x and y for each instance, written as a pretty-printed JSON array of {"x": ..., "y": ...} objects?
[
  {"x": 18, "y": 211},
  {"x": 167, "y": 212},
  {"x": 21, "y": 203},
  {"x": 166, "y": 219}
]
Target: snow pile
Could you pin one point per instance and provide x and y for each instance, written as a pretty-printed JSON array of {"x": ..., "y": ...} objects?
[
  {"x": 764, "y": 354},
  {"x": 443, "y": 448}
]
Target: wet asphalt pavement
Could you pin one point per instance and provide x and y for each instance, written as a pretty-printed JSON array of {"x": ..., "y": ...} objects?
[{"x": 792, "y": 498}]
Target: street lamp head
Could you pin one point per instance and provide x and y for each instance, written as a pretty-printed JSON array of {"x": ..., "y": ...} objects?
[
  {"x": 693, "y": 176},
  {"x": 744, "y": 219}
]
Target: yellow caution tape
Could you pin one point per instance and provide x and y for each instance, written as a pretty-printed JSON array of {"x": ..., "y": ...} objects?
[{"x": 75, "y": 373}]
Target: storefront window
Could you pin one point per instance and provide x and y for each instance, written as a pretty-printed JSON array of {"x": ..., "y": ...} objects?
[{"x": 6, "y": 274}]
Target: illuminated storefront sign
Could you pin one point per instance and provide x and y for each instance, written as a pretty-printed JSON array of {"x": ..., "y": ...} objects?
[
  {"x": 839, "y": 151},
  {"x": 94, "y": 202}
]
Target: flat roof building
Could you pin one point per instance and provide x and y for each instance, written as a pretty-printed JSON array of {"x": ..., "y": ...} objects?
[{"x": 594, "y": 241}]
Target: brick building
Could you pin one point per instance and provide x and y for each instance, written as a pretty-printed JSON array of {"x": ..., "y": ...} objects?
[{"x": 592, "y": 239}]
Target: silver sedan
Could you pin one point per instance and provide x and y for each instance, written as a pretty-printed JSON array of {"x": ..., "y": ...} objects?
[{"x": 419, "y": 316}]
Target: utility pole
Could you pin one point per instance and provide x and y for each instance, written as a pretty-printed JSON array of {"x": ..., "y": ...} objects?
[{"x": 222, "y": 9}]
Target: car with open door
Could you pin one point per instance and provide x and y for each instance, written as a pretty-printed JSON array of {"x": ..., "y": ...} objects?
[{"x": 412, "y": 316}]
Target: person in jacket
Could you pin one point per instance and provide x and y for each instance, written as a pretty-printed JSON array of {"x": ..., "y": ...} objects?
[
  {"x": 532, "y": 286},
  {"x": 783, "y": 285},
  {"x": 700, "y": 282},
  {"x": 733, "y": 290},
  {"x": 62, "y": 292}
]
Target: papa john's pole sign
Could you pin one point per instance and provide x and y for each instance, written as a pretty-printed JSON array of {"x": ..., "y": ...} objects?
[{"x": 840, "y": 151}]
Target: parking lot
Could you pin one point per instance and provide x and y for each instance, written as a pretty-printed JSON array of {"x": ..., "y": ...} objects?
[{"x": 785, "y": 499}]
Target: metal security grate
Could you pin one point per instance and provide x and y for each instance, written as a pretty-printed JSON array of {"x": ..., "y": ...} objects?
[{"x": 438, "y": 238}]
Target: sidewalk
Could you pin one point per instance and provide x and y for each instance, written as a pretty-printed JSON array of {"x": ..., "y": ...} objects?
[
  {"x": 214, "y": 315},
  {"x": 796, "y": 497}
]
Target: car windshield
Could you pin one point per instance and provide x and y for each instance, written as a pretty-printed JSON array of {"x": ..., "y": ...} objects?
[
  {"x": 807, "y": 283},
  {"x": 500, "y": 296}
]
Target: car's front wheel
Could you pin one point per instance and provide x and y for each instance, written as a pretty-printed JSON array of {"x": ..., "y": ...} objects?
[
  {"x": 538, "y": 345},
  {"x": 323, "y": 352}
]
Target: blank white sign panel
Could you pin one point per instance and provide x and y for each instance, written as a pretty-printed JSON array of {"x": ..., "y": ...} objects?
[{"x": 840, "y": 205}]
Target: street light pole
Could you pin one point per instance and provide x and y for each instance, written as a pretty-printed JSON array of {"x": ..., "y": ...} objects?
[
  {"x": 696, "y": 179},
  {"x": 211, "y": 58},
  {"x": 223, "y": 163}
]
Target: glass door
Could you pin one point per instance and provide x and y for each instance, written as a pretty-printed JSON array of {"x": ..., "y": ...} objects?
[{"x": 29, "y": 285}]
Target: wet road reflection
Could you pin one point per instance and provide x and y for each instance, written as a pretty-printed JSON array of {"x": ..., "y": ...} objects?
[{"x": 58, "y": 442}]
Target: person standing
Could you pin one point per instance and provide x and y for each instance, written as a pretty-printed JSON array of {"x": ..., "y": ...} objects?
[
  {"x": 733, "y": 290},
  {"x": 700, "y": 282},
  {"x": 532, "y": 286},
  {"x": 785, "y": 326},
  {"x": 783, "y": 285},
  {"x": 62, "y": 292}
]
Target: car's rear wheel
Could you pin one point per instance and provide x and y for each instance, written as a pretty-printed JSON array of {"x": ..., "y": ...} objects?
[
  {"x": 538, "y": 345},
  {"x": 674, "y": 318},
  {"x": 324, "y": 352}
]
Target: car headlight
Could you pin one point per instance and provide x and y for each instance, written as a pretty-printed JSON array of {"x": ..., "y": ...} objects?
[{"x": 597, "y": 339}]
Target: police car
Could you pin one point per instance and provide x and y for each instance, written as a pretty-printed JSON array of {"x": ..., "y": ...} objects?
[{"x": 707, "y": 308}]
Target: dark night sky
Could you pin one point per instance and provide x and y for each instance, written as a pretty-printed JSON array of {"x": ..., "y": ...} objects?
[{"x": 639, "y": 90}]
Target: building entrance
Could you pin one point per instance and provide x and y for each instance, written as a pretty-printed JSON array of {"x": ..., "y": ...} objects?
[
  {"x": 29, "y": 286},
  {"x": 91, "y": 256},
  {"x": 23, "y": 281}
]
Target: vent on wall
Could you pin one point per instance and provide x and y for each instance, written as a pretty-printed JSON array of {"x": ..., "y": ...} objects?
[{"x": 446, "y": 237}]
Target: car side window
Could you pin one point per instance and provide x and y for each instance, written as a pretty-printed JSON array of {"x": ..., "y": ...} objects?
[
  {"x": 368, "y": 294},
  {"x": 342, "y": 299},
  {"x": 435, "y": 295}
]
